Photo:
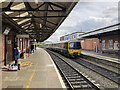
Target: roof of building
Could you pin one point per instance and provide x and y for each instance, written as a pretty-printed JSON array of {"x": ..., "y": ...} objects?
[
  {"x": 38, "y": 19},
  {"x": 72, "y": 33},
  {"x": 100, "y": 31}
]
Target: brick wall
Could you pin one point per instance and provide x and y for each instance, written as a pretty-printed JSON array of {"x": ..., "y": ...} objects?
[
  {"x": 89, "y": 44},
  {"x": 10, "y": 48},
  {"x": 61, "y": 38},
  {"x": 0, "y": 48},
  {"x": 3, "y": 49},
  {"x": 110, "y": 37}
]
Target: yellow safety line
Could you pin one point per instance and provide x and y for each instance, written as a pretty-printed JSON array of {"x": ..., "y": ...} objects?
[
  {"x": 102, "y": 56},
  {"x": 31, "y": 77}
]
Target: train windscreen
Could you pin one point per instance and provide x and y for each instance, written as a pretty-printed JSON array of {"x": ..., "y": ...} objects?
[{"x": 74, "y": 45}]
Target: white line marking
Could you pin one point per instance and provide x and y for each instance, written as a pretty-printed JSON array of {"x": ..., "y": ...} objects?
[{"x": 60, "y": 78}]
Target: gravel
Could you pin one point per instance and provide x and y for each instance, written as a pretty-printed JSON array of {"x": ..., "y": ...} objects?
[{"x": 99, "y": 80}]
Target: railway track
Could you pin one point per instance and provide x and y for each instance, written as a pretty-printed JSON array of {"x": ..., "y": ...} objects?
[
  {"x": 73, "y": 78},
  {"x": 113, "y": 76}
]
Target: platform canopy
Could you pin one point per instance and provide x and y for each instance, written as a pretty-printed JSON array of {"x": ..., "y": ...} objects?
[{"x": 38, "y": 19}]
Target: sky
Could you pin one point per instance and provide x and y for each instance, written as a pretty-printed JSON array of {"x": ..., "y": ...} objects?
[{"x": 87, "y": 16}]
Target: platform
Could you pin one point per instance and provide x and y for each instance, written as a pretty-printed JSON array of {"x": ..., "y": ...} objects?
[
  {"x": 109, "y": 57},
  {"x": 37, "y": 71}
]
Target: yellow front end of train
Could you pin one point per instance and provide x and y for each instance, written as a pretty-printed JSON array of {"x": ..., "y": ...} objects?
[
  {"x": 75, "y": 52},
  {"x": 74, "y": 48}
]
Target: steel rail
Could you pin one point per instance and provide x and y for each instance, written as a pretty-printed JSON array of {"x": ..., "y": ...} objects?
[
  {"x": 106, "y": 76},
  {"x": 63, "y": 74},
  {"x": 68, "y": 65}
]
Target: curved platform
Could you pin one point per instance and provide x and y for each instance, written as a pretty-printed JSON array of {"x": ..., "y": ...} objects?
[{"x": 37, "y": 71}]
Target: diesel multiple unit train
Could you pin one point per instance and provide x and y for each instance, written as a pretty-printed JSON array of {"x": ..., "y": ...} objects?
[{"x": 67, "y": 48}]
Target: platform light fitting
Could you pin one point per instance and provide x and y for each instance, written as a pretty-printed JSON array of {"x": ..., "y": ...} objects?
[
  {"x": 40, "y": 25},
  {"x": 7, "y": 30},
  {"x": 36, "y": 1},
  {"x": 34, "y": 40},
  {"x": 30, "y": 14}
]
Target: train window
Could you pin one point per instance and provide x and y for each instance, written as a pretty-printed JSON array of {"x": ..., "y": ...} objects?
[
  {"x": 66, "y": 45},
  {"x": 78, "y": 45},
  {"x": 75, "y": 45},
  {"x": 71, "y": 45}
]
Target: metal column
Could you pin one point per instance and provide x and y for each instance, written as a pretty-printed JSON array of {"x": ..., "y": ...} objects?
[{"x": 5, "y": 60}]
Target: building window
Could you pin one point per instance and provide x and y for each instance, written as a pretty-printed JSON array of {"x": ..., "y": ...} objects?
[
  {"x": 103, "y": 44},
  {"x": 116, "y": 45},
  {"x": 74, "y": 36},
  {"x": 110, "y": 44}
]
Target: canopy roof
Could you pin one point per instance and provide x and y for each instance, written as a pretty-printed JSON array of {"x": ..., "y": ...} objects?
[
  {"x": 38, "y": 19},
  {"x": 101, "y": 31}
]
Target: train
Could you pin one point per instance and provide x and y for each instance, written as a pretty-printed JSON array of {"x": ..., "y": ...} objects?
[{"x": 71, "y": 49}]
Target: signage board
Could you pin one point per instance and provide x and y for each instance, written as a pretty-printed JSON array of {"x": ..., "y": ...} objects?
[{"x": 9, "y": 41}]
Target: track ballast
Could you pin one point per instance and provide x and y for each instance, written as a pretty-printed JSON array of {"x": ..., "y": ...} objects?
[{"x": 73, "y": 78}]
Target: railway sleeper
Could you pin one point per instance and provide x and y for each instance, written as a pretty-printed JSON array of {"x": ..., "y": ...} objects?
[
  {"x": 84, "y": 88},
  {"x": 73, "y": 78},
  {"x": 79, "y": 83},
  {"x": 71, "y": 74},
  {"x": 76, "y": 80}
]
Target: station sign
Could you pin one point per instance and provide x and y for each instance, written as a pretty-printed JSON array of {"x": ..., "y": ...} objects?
[{"x": 9, "y": 41}]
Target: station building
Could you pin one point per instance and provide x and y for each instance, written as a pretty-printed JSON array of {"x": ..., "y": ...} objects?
[
  {"x": 72, "y": 36},
  {"x": 8, "y": 43},
  {"x": 106, "y": 39},
  {"x": 11, "y": 38},
  {"x": 23, "y": 42}
]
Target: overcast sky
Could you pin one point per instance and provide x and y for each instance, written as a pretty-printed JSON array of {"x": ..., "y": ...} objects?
[{"x": 87, "y": 16}]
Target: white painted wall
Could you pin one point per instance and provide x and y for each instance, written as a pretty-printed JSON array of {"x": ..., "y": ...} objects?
[{"x": 73, "y": 36}]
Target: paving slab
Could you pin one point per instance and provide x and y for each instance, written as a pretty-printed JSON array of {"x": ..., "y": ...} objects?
[{"x": 41, "y": 73}]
